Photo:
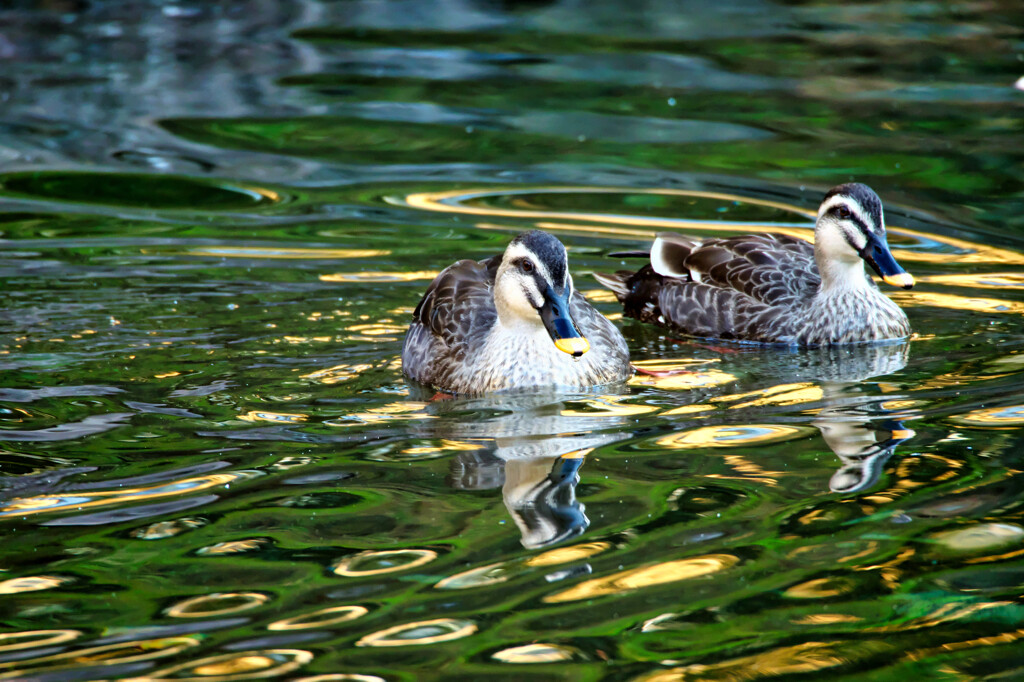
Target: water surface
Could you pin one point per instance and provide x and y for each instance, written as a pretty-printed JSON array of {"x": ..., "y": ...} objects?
[{"x": 215, "y": 222}]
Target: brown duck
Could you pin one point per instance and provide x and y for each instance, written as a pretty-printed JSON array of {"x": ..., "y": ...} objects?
[{"x": 772, "y": 288}]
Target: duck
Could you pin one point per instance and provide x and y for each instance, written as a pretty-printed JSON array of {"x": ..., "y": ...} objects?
[
  {"x": 773, "y": 288},
  {"x": 512, "y": 321}
]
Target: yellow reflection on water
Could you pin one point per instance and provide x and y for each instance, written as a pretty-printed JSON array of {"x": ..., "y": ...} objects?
[
  {"x": 380, "y": 562},
  {"x": 238, "y": 666},
  {"x": 232, "y": 547},
  {"x": 340, "y": 373},
  {"x": 276, "y": 252},
  {"x": 679, "y": 374},
  {"x": 340, "y": 677},
  {"x": 609, "y": 406},
  {"x": 644, "y": 228},
  {"x": 648, "y": 576},
  {"x": 781, "y": 395},
  {"x": 538, "y": 652},
  {"x": 108, "y": 654},
  {"x": 421, "y": 632},
  {"x": 820, "y": 588},
  {"x": 825, "y": 619},
  {"x": 332, "y": 615},
  {"x": 1009, "y": 417},
  {"x": 563, "y": 555},
  {"x": 27, "y": 506},
  {"x": 31, "y": 639},
  {"x": 363, "y": 277},
  {"x": 398, "y": 411},
  {"x": 445, "y": 446},
  {"x": 33, "y": 583},
  {"x": 731, "y": 436},
  {"x": 977, "y": 280},
  {"x": 265, "y": 416},
  {"x": 599, "y": 296},
  {"x": 490, "y": 574},
  {"x": 217, "y": 604},
  {"x": 953, "y": 302},
  {"x": 807, "y": 657}
]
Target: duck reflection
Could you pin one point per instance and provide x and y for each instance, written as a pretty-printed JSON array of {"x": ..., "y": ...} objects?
[
  {"x": 539, "y": 492},
  {"x": 859, "y": 428},
  {"x": 532, "y": 447}
]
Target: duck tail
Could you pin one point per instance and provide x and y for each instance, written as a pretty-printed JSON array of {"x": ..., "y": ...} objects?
[{"x": 616, "y": 282}]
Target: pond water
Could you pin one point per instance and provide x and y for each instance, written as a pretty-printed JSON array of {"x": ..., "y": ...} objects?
[{"x": 216, "y": 219}]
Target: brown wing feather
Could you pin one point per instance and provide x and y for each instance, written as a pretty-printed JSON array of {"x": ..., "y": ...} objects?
[
  {"x": 774, "y": 269},
  {"x": 453, "y": 317}
]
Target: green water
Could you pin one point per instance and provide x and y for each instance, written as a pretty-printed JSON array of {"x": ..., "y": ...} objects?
[{"x": 215, "y": 220}]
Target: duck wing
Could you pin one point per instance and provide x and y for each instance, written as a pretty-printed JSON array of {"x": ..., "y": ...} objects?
[
  {"x": 458, "y": 306},
  {"x": 773, "y": 269}
]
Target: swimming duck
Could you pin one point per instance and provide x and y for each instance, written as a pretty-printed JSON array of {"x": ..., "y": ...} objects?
[
  {"x": 512, "y": 321},
  {"x": 772, "y": 288}
]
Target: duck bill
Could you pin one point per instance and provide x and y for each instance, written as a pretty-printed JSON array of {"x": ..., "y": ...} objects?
[
  {"x": 876, "y": 253},
  {"x": 559, "y": 323}
]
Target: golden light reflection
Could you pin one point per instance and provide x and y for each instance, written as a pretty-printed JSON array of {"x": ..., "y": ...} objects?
[
  {"x": 648, "y": 576},
  {"x": 27, "y": 506},
  {"x": 784, "y": 395},
  {"x": 953, "y": 302},
  {"x": 490, "y": 574},
  {"x": 645, "y": 228},
  {"x": 977, "y": 280},
  {"x": 232, "y": 547},
  {"x": 826, "y": 619},
  {"x": 807, "y": 657},
  {"x": 1009, "y": 417},
  {"x": 455, "y": 201},
  {"x": 108, "y": 654},
  {"x": 420, "y": 633},
  {"x": 166, "y": 529},
  {"x": 599, "y": 296},
  {"x": 275, "y": 252},
  {"x": 820, "y": 588},
  {"x": 322, "y": 618},
  {"x": 33, "y": 583},
  {"x": 238, "y": 666},
  {"x": 31, "y": 639},
  {"x": 564, "y": 555},
  {"x": 687, "y": 409},
  {"x": 381, "y": 562},
  {"x": 364, "y": 277},
  {"x": 979, "y": 537},
  {"x": 399, "y": 411},
  {"x": 679, "y": 374},
  {"x": 265, "y": 416},
  {"x": 609, "y": 406},
  {"x": 445, "y": 446},
  {"x": 538, "y": 652},
  {"x": 217, "y": 604},
  {"x": 993, "y": 640},
  {"x": 340, "y": 677},
  {"x": 340, "y": 373},
  {"x": 732, "y": 436}
]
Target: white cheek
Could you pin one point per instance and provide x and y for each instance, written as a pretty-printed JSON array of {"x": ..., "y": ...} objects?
[
  {"x": 515, "y": 301},
  {"x": 831, "y": 242}
]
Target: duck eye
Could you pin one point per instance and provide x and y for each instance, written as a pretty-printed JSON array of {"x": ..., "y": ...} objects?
[
  {"x": 843, "y": 212},
  {"x": 526, "y": 265}
]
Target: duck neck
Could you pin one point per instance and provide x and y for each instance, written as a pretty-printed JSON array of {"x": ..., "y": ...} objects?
[{"x": 840, "y": 277}]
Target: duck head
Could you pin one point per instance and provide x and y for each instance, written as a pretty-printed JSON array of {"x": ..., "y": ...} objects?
[
  {"x": 533, "y": 287},
  {"x": 850, "y": 228}
]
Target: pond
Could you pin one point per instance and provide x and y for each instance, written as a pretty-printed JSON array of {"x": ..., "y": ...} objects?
[{"x": 217, "y": 218}]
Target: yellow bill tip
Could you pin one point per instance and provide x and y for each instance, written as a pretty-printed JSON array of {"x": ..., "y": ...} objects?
[
  {"x": 903, "y": 434},
  {"x": 575, "y": 346},
  {"x": 904, "y": 280}
]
